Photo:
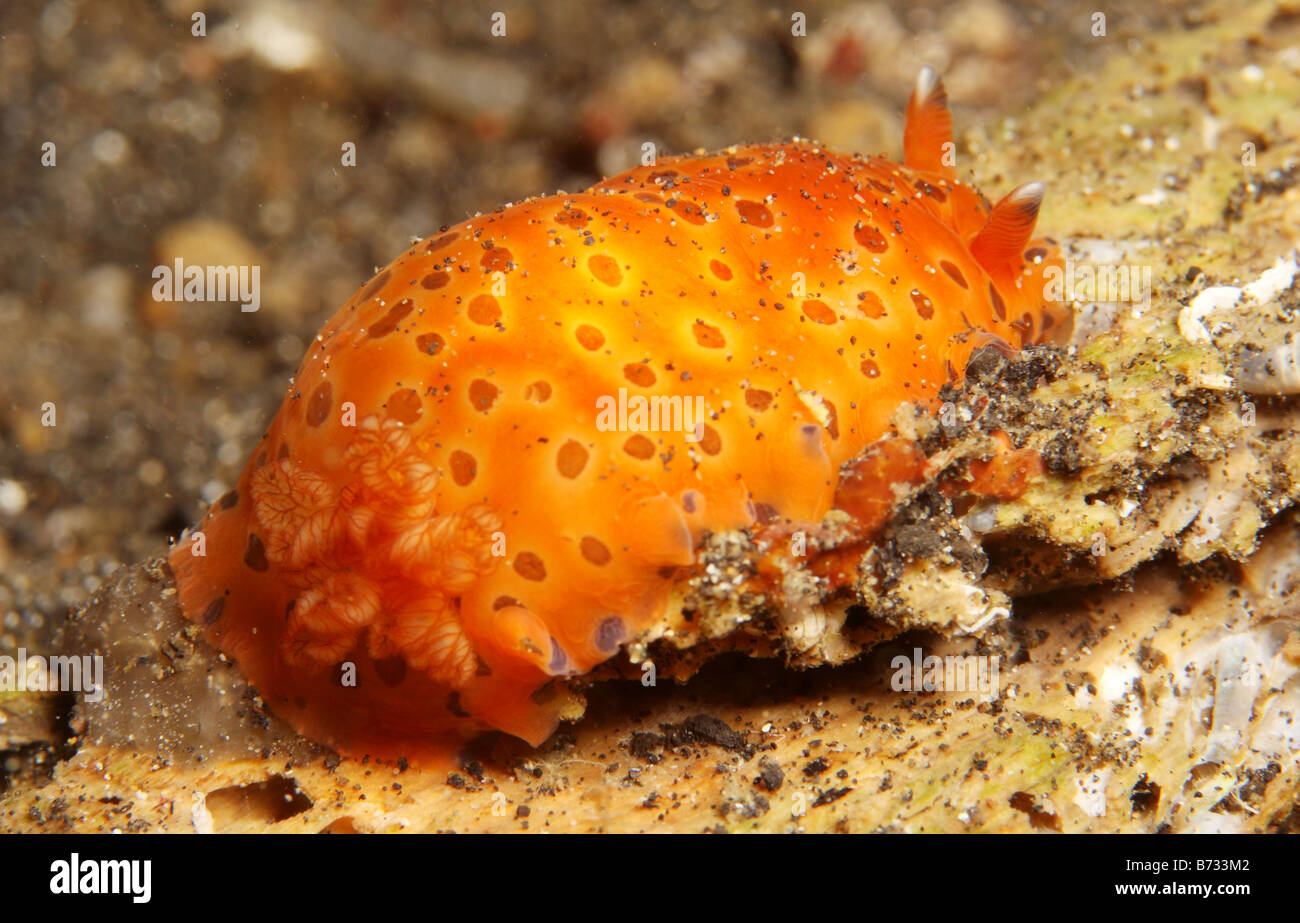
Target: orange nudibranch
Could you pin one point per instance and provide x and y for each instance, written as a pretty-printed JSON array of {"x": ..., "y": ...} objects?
[{"x": 442, "y": 518}]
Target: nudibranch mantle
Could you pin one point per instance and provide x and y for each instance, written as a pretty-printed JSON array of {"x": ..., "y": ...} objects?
[{"x": 447, "y": 511}]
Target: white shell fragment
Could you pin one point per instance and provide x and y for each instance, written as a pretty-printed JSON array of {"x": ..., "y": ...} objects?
[
  {"x": 1276, "y": 371},
  {"x": 1274, "y": 281},
  {"x": 1191, "y": 320},
  {"x": 1273, "y": 369}
]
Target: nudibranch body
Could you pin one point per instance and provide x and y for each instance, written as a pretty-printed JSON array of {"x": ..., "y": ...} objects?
[{"x": 498, "y": 456}]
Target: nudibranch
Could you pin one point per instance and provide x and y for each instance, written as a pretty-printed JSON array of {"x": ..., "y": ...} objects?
[{"x": 500, "y": 454}]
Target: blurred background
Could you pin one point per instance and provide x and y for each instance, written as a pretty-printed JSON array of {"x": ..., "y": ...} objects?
[{"x": 226, "y": 148}]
